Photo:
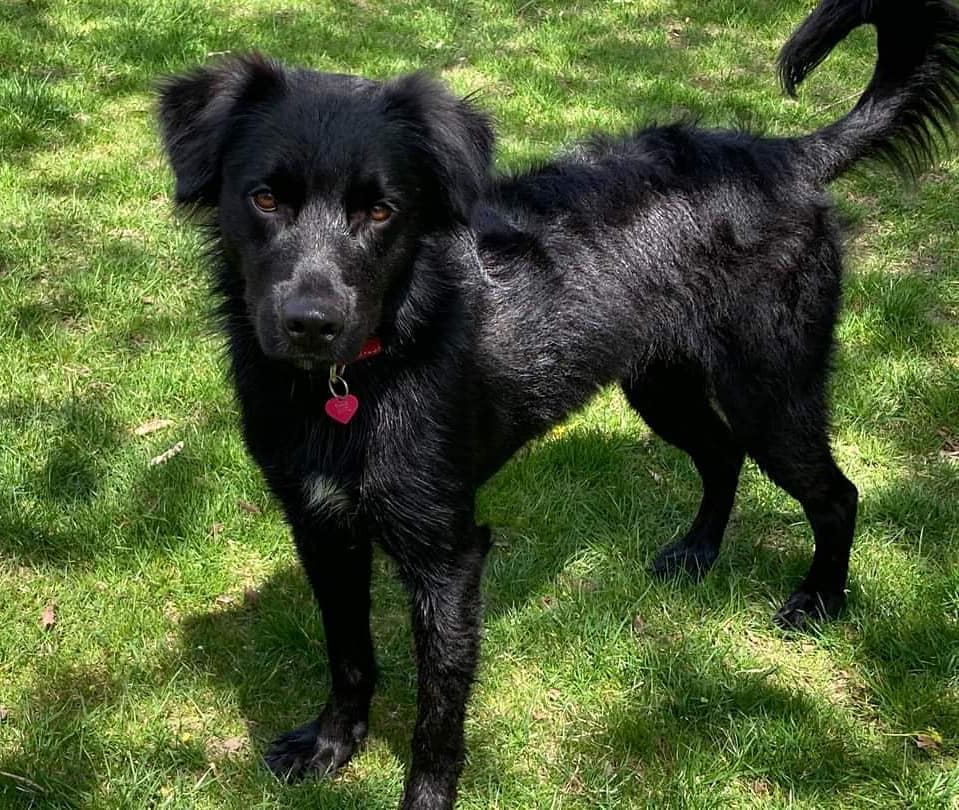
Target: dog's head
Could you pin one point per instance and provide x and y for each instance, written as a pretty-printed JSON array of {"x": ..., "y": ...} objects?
[{"x": 321, "y": 186}]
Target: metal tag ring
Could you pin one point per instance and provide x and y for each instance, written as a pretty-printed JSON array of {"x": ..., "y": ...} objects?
[{"x": 336, "y": 378}]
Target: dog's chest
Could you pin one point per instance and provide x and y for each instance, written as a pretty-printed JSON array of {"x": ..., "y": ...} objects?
[
  {"x": 379, "y": 468},
  {"x": 326, "y": 496},
  {"x": 327, "y": 466}
]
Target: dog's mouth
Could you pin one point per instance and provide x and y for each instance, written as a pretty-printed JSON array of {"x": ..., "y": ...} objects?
[
  {"x": 308, "y": 363},
  {"x": 341, "y": 357},
  {"x": 314, "y": 362}
]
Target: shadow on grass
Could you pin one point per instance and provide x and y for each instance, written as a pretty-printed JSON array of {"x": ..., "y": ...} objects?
[
  {"x": 36, "y": 111},
  {"x": 127, "y": 48},
  {"x": 272, "y": 658},
  {"x": 556, "y": 500},
  {"x": 276, "y": 659},
  {"x": 83, "y": 434},
  {"x": 52, "y": 765},
  {"x": 697, "y": 705},
  {"x": 87, "y": 513},
  {"x": 63, "y": 762}
]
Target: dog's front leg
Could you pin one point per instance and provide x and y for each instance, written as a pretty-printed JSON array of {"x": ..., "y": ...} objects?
[
  {"x": 447, "y": 613},
  {"x": 338, "y": 567}
]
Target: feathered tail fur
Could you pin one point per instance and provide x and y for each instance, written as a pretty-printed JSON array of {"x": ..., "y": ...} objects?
[{"x": 908, "y": 109}]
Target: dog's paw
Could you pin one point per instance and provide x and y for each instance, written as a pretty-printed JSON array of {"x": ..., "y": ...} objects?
[
  {"x": 691, "y": 555},
  {"x": 321, "y": 747},
  {"x": 804, "y": 608}
]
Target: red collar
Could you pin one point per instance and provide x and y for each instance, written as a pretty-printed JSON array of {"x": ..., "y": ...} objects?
[{"x": 371, "y": 348}]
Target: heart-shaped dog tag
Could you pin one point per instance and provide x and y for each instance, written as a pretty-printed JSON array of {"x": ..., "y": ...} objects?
[{"x": 342, "y": 409}]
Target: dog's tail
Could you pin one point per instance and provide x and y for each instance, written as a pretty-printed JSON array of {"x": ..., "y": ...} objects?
[{"x": 909, "y": 107}]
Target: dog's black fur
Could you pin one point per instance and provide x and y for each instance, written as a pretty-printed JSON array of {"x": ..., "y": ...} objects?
[{"x": 699, "y": 269}]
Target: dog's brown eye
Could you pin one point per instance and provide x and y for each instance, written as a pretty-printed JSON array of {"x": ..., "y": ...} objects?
[
  {"x": 380, "y": 212},
  {"x": 264, "y": 200}
]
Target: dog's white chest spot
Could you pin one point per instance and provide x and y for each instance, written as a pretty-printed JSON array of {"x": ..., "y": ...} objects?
[{"x": 324, "y": 495}]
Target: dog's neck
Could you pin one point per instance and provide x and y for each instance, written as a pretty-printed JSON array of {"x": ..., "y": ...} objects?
[{"x": 431, "y": 295}]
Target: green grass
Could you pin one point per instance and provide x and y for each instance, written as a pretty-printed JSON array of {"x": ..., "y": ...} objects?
[{"x": 599, "y": 687}]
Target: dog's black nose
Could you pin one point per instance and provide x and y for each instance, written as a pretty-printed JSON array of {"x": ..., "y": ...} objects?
[{"x": 311, "y": 322}]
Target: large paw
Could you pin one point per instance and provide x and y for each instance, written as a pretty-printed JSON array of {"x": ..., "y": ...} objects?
[
  {"x": 805, "y": 607},
  {"x": 691, "y": 554},
  {"x": 323, "y": 746}
]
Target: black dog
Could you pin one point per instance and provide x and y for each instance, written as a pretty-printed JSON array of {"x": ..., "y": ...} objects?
[{"x": 360, "y": 240}]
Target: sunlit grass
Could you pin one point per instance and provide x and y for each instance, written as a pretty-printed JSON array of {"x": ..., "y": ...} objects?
[{"x": 184, "y": 636}]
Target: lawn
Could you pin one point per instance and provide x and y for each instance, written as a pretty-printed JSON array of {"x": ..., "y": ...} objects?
[{"x": 155, "y": 630}]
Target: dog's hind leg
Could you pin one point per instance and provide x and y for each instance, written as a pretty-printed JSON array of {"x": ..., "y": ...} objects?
[
  {"x": 790, "y": 443},
  {"x": 674, "y": 402}
]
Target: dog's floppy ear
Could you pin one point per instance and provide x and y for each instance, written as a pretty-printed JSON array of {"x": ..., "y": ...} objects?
[
  {"x": 196, "y": 112},
  {"x": 452, "y": 137}
]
